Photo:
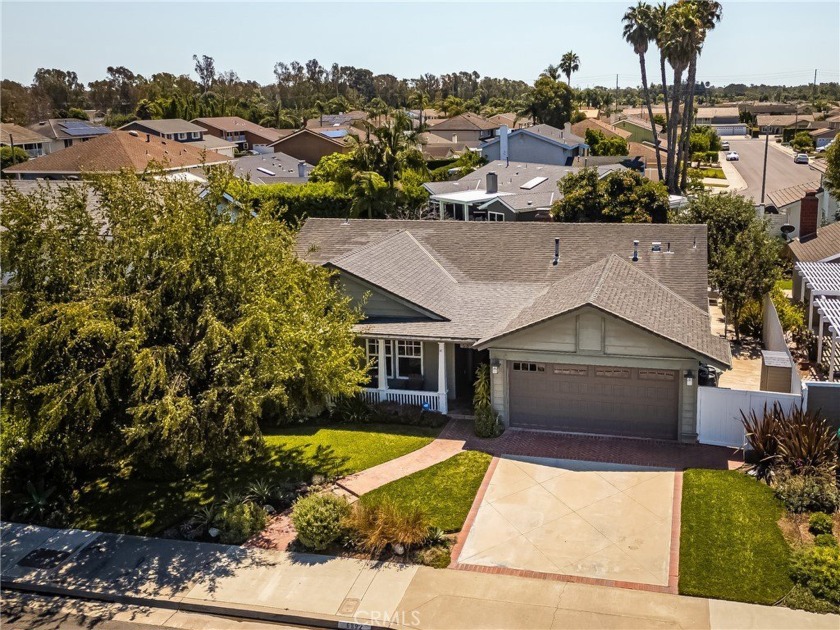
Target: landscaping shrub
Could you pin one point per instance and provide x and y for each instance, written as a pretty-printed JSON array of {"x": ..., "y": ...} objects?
[
  {"x": 808, "y": 493},
  {"x": 825, "y": 540},
  {"x": 761, "y": 437},
  {"x": 820, "y": 523},
  {"x": 353, "y": 409},
  {"x": 751, "y": 322},
  {"x": 319, "y": 520},
  {"x": 238, "y": 522},
  {"x": 487, "y": 424},
  {"x": 818, "y": 570},
  {"x": 807, "y": 442},
  {"x": 373, "y": 527}
]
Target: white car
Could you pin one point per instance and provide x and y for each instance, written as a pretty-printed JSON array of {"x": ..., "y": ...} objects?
[
  {"x": 732, "y": 156},
  {"x": 824, "y": 147},
  {"x": 724, "y": 146}
]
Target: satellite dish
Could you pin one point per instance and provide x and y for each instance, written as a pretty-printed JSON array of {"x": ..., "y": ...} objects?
[
  {"x": 787, "y": 228},
  {"x": 708, "y": 84}
]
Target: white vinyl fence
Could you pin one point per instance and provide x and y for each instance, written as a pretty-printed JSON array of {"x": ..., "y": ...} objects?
[{"x": 719, "y": 412}]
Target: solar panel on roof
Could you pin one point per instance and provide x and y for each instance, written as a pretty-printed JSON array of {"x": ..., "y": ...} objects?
[
  {"x": 87, "y": 131},
  {"x": 335, "y": 133}
]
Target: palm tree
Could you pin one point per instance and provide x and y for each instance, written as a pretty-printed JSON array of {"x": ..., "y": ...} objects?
[
  {"x": 708, "y": 13},
  {"x": 657, "y": 16},
  {"x": 636, "y": 32},
  {"x": 678, "y": 41},
  {"x": 569, "y": 63},
  {"x": 553, "y": 71},
  {"x": 420, "y": 100}
]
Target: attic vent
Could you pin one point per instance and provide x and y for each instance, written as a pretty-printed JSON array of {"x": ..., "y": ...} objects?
[
  {"x": 533, "y": 183},
  {"x": 556, "y": 251},
  {"x": 635, "y": 251},
  {"x": 134, "y": 133},
  {"x": 656, "y": 246},
  {"x": 265, "y": 171}
]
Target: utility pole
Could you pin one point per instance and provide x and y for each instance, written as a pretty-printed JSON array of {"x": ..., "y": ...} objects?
[
  {"x": 764, "y": 174},
  {"x": 616, "y": 94},
  {"x": 814, "y": 89}
]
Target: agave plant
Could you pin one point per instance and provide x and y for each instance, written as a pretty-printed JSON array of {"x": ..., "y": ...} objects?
[
  {"x": 233, "y": 497},
  {"x": 762, "y": 437},
  {"x": 36, "y": 502},
  {"x": 806, "y": 443},
  {"x": 261, "y": 491},
  {"x": 205, "y": 517}
]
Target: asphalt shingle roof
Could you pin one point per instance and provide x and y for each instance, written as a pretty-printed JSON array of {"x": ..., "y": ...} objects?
[
  {"x": 824, "y": 245},
  {"x": 465, "y": 121},
  {"x": 240, "y": 125},
  {"x": 20, "y": 135}
]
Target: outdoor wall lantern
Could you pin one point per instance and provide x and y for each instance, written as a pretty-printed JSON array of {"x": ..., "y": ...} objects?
[
  {"x": 689, "y": 378},
  {"x": 494, "y": 365}
]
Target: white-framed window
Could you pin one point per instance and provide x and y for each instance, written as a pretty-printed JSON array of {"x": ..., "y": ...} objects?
[
  {"x": 196, "y": 135},
  {"x": 495, "y": 216},
  {"x": 409, "y": 358},
  {"x": 372, "y": 351},
  {"x": 182, "y": 136}
]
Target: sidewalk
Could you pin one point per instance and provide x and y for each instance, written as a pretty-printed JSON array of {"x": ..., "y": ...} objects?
[
  {"x": 331, "y": 592},
  {"x": 736, "y": 181}
]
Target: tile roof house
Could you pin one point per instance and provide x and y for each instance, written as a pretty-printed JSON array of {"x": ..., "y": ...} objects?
[
  {"x": 114, "y": 152},
  {"x": 594, "y": 328},
  {"x": 30, "y": 141},
  {"x": 503, "y": 191},
  {"x": 542, "y": 144},
  {"x": 244, "y": 133},
  {"x": 65, "y": 132},
  {"x": 180, "y": 130},
  {"x": 310, "y": 146}
]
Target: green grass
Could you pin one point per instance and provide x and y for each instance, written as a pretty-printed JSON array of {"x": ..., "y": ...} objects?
[
  {"x": 134, "y": 505},
  {"x": 730, "y": 544},
  {"x": 785, "y": 283},
  {"x": 716, "y": 173},
  {"x": 445, "y": 491}
]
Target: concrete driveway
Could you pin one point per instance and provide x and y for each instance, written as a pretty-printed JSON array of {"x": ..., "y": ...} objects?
[{"x": 588, "y": 519}]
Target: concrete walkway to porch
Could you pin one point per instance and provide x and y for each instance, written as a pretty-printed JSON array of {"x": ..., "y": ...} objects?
[{"x": 439, "y": 450}]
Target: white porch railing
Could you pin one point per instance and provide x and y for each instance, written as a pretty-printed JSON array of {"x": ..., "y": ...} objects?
[{"x": 407, "y": 397}]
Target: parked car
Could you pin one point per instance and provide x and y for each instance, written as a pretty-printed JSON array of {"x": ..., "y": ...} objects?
[
  {"x": 724, "y": 146},
  {"x": 824, "y": 147},
  {"x": 801, "y": 158},
  {"x": 732, "y": 156}
]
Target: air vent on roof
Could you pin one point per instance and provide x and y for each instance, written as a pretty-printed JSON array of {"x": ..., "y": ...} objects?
[
  {"x": 556, "y": 251},
  {"x": 656, "y": 246},
  {"x": 635, "y": 251},
  {"x": 532, "y": 183},
  {"x": 265, "y": 171},
  {"x": 134, "y": 133}
]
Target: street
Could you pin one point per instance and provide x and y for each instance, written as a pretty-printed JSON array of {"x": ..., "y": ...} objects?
[{"x": 781, "y": 171}]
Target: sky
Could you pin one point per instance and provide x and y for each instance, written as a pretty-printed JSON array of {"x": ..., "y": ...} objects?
[{"x": 756, "y": 42}]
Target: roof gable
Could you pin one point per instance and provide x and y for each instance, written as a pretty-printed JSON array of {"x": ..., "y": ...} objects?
[
  {"x": 824, "y": 246},
  {"x": 466, "y": 122}
]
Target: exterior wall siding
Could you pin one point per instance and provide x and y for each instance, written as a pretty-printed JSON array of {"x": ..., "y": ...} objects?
[
  {"x": 523, "y": 147},
  {"x": 308, "y": 148},
  {"x": 378, "y": 304}
]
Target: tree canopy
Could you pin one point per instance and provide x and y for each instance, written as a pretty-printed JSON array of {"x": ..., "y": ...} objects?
[
  {"x": 621, "y": 196},
  {"x": 600, "y": 144},
  {"x": 144, "y": 324}
]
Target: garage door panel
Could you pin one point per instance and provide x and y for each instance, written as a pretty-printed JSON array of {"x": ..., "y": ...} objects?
[{"x": 595, "y": 399}]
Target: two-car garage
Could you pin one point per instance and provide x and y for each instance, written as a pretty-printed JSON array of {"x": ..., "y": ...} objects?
[{"x": 630, "y": 401}]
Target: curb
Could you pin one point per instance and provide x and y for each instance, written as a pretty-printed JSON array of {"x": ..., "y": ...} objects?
[{"x": 252, "y": 613}]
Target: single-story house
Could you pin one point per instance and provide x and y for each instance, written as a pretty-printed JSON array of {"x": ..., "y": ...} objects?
[
  {"x": 814, "y": 243},
  {"x": 65, "y": 132},
  {"x": 777, "y": 124},
  {"x": 244, "y": 133},
  {"x": 770, "y": 109},
  {"x": 503, "y": 191},
  {"x": 822, "y": 137},
  {"x": 438, "y": 148},
  {"x": 114, "y": 152},
  {"x": 610, "y": 131},
  {"x": 272, "y": 168},
  {"x": 783, "y": 208},
  {"x": 467, "y": 128},
  {"x": 310, "y": 146},
  {"x": 12, "y": 135},
  {"x": 726, "y": 121},
  {"x": 181, "y": 130},
  {"x": 542, "y": 144},
  {"x": 587, "y": 328}
]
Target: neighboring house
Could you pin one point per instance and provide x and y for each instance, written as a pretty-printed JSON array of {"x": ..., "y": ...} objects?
[
  {"x": 833, "y": 122},
  {"x": 587, "y": 328},
  {"x": 310, "y": 146},
  {"x": 822, "y": 137},
  {"x": 340, "y": 133},
  {"x": 642, "y": 113},
  {"x": 437, "y": 148},
  {"x": 775, "y": 125},
  {"x": 610, "y": 131},
  {"x": 244, "y": 133},
  {"x": 272, "y": 168},
  {"x": 639, "y": 129},
  {"x": 12, "y": 135},
  {"x": 769, "y": 109},
  {"x": 783, "y": 208},
  {"x": 726, "y": 121},
  {"x": 65, "y": 132},
  {"x": 115, "y": 152},
  {"x": 500, "y": 191},
  {"x": 512, "y": 120},
  {"x": 468, "y": 128},
  {"x": 354, "y": 118},
  {"x": 542, "y": 144},
  {"x": 182, "y": 131},
  {"x": 815, "y": 243}
]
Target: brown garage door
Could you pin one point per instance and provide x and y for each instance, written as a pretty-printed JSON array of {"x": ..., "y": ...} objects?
[{"x": 594, "y": 399}]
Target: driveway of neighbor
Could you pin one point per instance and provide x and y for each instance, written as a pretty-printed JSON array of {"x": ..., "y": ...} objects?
[{"x": 590, "y": 519}]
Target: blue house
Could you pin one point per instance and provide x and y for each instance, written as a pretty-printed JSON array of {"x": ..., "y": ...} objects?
[{"x": 541, "y": 144}]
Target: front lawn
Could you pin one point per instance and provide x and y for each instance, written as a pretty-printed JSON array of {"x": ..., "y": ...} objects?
[
  {"x": 136, "y": 505},
  {"x": 445, "y": 491},
  {"x": 731, "y": 546}
]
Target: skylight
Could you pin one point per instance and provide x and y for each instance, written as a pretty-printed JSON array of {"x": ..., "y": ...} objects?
[{"x": 533, "y": 183}]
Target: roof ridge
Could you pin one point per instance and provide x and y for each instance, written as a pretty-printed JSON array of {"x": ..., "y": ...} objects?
[
  {"x": 367, "y": 246},
  {"x": 432, "y": 258},
  {"x": 602, "y": 276}
]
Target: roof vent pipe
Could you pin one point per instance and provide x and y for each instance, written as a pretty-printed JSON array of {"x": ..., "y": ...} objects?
[
  {"x": 148, "y": 137},
  {"x": 635, "y": 251},
  {"x": 556, "y": 251},
  {"x": 302, "y": 169}
]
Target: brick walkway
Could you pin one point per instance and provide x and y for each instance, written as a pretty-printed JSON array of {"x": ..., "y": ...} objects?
[
  {"x": 439, "y": 450},
  {"x": 595, "y": 448}
]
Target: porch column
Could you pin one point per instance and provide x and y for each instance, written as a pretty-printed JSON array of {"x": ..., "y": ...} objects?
[
  {"x": 381, "y": 369},
  {"x": 442, "y": 402},
  {"x": 820, "y": 341},
  {"x": 466, "y": 208},
  {"x": 441, "y": 210},
  {"x": 801, "y": 286},
  {"x": 831, "y": 356},
  {"x": 811, "y": 310}
]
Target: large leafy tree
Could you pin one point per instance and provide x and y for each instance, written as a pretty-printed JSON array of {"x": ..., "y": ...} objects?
[
  {"x": 832, "y": 171},
  {"x": 621, "y": 196},
  {"x": 551, "y": 102},
  {"x": 157, "y": 327}
]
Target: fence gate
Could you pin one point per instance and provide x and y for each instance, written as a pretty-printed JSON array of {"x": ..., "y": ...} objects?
[{"x": 719, "y": 412}]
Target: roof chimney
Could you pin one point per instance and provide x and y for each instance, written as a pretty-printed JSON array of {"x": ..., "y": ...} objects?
[
  {"x": 302, "y": 169},
  {"x": 492, "y": 185},
  {"x": 556, "y": 251},
  {"x": 635, "y": 251},
  {"x": 809, "y": 211},
  {"x": 503, "y": 143}
]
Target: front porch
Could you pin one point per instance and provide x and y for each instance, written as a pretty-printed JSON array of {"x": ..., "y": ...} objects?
[{"x": 435, "y": 375}]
